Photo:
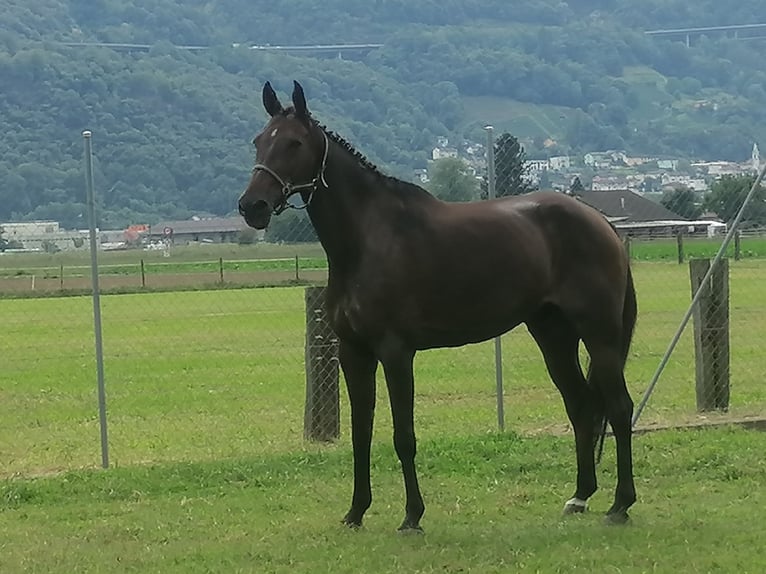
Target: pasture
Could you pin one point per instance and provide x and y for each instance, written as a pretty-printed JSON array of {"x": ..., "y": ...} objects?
[
  {"x": 203, "y": 265},
  {"x": 493, "y": 501},
  {"x": 205, "y": 375},
  {"x": 205, "y": 395}
]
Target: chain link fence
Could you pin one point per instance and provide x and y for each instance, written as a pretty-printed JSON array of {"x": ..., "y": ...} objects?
[
  {"x": 710, "y": 371},
  {"x": 222, "y": 350},
  {"x": 714, "y": 254}
]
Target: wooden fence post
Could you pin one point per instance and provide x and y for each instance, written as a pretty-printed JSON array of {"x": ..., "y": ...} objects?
[
  {"x": 628, "y": 247},
  {"x": 711, "y": 335},
  {"x": 321, "y": 419},
  {"x": 737, "y": 245}
]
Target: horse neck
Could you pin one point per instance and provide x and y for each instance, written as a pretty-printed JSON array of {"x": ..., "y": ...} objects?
[{"x": 337, "y": 211}]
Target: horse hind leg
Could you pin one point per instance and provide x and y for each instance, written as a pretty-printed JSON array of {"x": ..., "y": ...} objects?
[
  {"x": 607, "y": 377},
  {"x": 559, "y": 342}
]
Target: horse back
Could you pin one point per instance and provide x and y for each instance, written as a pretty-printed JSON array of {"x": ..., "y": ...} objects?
[{"x": 448, "y": 274}]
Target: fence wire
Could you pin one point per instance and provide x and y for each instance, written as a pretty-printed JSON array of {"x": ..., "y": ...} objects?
[{"x": 214, "y": 350}]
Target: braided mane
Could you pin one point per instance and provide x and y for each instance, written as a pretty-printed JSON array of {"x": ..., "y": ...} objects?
[
  {"x": 348, "y": 147},
  {"x": 338, "y": 139}
]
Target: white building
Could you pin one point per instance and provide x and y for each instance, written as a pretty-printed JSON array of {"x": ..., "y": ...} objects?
[
  {"x": 44, "y": 235},
  {"x": 559, "y": 162},
  {"x": 536, "y": 165},
  {"x": 441, "y": 153}
]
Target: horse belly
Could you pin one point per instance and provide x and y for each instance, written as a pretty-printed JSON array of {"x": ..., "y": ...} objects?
[
  {"x": 463, "y": 322},
  {"x": 459, "y": 335}
]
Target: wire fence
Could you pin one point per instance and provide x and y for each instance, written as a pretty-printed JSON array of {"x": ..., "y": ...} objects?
[{"x": 221, "y": 351}]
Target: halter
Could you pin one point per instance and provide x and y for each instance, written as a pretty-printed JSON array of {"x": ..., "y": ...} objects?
[{"x": 288, "y": 189}]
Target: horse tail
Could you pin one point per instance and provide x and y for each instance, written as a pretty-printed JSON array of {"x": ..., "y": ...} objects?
[{"x": 629, "y": 315}]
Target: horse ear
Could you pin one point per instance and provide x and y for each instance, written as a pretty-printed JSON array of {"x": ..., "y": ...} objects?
[
  {"x": 270, "y": 100},
  {"x": 299, "y": 101}
]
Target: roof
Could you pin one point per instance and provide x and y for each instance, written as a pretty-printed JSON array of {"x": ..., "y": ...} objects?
[
  {"x": 627, "y": 206},
  {"x": 208, "y": 225}
]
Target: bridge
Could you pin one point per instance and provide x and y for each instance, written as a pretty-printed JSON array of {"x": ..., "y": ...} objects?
[
  {"x": 295, "y": 49},
  {"x": 736, "y": 31}
]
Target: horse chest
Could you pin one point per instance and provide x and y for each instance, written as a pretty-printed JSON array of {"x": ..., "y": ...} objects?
[{"x": 349, "y": 316}]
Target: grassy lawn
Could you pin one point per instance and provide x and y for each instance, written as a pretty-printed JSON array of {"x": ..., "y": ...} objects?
[
  {"x": 493, "y": 505},
  {"x": 195, "y": 376},
  {"x": 264, "y": 257},
  {"x": 210, "y": 473}
]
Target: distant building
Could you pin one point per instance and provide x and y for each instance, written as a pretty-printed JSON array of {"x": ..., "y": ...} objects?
[
  {"x": 670, "y": 182},
  {"x": 626, "y": 205},
  {"x": 633, "y": 214},
  {"x": 441, "y": 153},
  {"x": 559, "y": 162},
  {"x": 45, "y": 236},
  {"x": 635, "y": 161},
  {"x": 210, "y": 230},
  {"x": 719, "y": 168},
  {"x": 604, "y": 159},
  {"x": 536, "y": 165},
  {"x": 667, "y": 164}
]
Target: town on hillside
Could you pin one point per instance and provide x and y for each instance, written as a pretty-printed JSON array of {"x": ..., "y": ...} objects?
[
  {"x": 610, "y": 170},
  {"x": 611, "y": 178}
]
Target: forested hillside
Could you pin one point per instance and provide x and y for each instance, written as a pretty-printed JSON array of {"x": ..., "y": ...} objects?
[{"x": 172, "y": 126}]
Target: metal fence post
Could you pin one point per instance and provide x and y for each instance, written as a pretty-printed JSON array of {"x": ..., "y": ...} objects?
[
  {"x": 498, "y": 340},
  {"x": 91, "y": 201}
]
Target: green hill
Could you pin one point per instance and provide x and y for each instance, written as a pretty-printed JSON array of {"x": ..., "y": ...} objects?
[{"x": 171, "y": 126}]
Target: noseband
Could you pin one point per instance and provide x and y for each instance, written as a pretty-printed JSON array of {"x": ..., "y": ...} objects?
[{"x": 288, "y": 189}]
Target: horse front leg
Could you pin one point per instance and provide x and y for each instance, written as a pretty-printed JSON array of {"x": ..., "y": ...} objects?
[
  {"x": 398, "y": 368},
  {"x": 359, "y": 366}
]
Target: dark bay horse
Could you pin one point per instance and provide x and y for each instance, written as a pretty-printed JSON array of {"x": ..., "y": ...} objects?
[{"x": 410, "y": 272}]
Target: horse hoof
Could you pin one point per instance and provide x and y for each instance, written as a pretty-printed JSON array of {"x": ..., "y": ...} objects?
[
  {"x": 350, "y": 523},
  {"x": 575, "y": 506},
  {"x": 616, "y": 518}
]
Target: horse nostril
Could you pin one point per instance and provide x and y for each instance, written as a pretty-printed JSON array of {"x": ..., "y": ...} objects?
[
  {"x": 260, "y": 207},
  {"x": 256, "y": 208}
]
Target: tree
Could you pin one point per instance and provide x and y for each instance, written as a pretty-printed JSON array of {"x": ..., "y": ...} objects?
[
  {"x": 726, "y": 197},
  {"x": 510, "y": 167},
  {"x": 576, "y": 185},
  {"x": 451, "y": 180},
  {"x": 682, "y": 201}
]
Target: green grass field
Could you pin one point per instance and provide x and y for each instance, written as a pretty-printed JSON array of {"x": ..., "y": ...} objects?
[
  {"x": 203, "y": 265},
  {"x": 205, "y": 394},
  {"x": 205, "y": 375},
  {"x": 493, "y": 506}
]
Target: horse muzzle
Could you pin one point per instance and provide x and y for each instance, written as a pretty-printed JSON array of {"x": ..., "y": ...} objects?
[{"x": 257, "y": 213}]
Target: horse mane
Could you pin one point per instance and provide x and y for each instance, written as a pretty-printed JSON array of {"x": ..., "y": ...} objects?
[
  {"x": 395, "y": 184},
  {"x": 338, "y": 139}
]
